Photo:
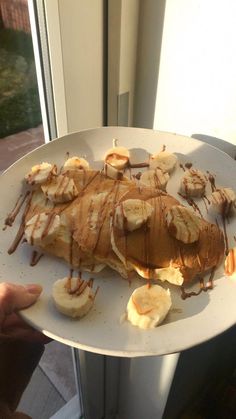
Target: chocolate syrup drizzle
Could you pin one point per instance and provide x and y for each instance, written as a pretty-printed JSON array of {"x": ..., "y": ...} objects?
[
  {"x": 13, "y": 214},
  {"x": 203, "y": 287},
  {"x": 35, "y": 258},
  {"x": 102, "y": 214},
  {"x": 20, "y": 232},
  {"x": 224, "y": 213}
]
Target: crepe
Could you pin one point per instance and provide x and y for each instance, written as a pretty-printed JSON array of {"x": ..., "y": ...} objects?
[
  {"x": 152, "y": 246},
  {"x": 63, "y": 244},
  {"x": 91, "y": 220}
]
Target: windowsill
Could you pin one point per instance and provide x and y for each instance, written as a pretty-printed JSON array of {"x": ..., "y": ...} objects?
[{"x": 17, "y": 145}]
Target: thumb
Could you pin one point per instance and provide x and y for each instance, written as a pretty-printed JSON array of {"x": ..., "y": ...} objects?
[{"x": 15, "y": 297}]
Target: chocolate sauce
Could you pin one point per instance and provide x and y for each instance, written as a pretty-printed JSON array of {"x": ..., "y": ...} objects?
[
  {"x": 20, "y": 232},
  {"x": 71, "y": 249},
  {"x": 138, "y": 175},
  {"x": 182, "y": 166},
  {"x": 31, "y": 176},
  {"x": 50, "y": 220},
  {"x": 211, "y": 179},
  {"x": 203, "y": 287},
  {"x": 191, "y": 202},
  {"x": 35, "y": 258},
  {"x": 205, "y": 202},
  {"x": 13, "y": 214},
  {"x": 138, "y": 165},
  {"x": 103, "y": 212},
  {"x": 34, "y": 229},
  {"x": 223, "y": 217},
  {"x": 188, "y": 165}
]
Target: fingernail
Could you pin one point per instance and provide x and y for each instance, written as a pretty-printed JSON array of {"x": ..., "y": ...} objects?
[{"x": 34, "y": 288}]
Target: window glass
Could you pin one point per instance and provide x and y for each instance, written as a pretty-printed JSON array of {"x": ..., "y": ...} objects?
[{"x": 21, "y": 127}]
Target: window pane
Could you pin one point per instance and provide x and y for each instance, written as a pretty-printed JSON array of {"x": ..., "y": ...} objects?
[{"x": 20, "y": 115}]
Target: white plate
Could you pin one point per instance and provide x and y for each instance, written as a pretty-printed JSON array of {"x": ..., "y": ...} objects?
[{"x": 191, "y": 321}]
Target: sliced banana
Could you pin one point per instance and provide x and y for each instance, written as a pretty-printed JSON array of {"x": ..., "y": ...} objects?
[
  {"x": 60, "y": 189},
  {"x": 73, "y": 296},
  {"x": 183, "y": 224},
  {"x": 148, "y": 306},
  {"x": 76, "y": 163},
  {"x": 163, "y": 160},
  {"x": 170, "y": 274},
  {"x": 132, "y": 214},
  {"x": 193, "y": 183},
  {"x": 230, "y": 263},
  {"x": 113, "y": 173},
  {"x": 42, "y": 228},
  {"x": 155, "y": 178},
  {"x": 117, "y": 157},
  {"x": 223, "y": 200},
  {"x": 41, "y": 173}
]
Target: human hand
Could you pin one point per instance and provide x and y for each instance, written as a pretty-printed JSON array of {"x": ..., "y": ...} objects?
[{"x": 14, "y": 297}]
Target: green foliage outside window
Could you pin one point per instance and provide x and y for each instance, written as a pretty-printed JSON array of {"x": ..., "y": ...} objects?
[{"x": 19, "y": 100}]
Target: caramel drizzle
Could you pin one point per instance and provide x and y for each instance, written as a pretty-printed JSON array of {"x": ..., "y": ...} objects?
[{"x": 13, "y": 214}]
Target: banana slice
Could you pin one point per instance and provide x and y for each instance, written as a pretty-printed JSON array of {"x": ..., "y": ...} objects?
[
  {"x": 42, "y": 228},
  {"x": 183, "y": 224},
  {"x": 155, "y": 178},
  {"x": 223, "y": 200},
  {"x": 230, "y": 263},
  {"x": 169, "y": 274},
  {"x": 117, "y": 157},
  {"x": 132, "y": 214},
  {"x": 193, "y": 183},
  {"x": 148, "y": 306},
  {"x": 73, "y": 296},
  {"x": 41, "y": 173},
  {"x": 60, "y": 189},
  {"x": 76, "y": 163},
  {"x": 163, "y": 160},
  {"x": 111, "y": 172}
]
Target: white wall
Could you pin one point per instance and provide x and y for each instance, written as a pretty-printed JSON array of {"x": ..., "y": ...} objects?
[{"x": 197, "y": 85}]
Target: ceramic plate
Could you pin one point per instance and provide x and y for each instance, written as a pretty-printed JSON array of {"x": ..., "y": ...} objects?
[{"x": 190, "y": 321}]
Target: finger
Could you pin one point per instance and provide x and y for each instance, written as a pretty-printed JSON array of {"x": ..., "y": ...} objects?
[
  {"x": 16, "y": 327},
  {"x": 15, "y": 297}
]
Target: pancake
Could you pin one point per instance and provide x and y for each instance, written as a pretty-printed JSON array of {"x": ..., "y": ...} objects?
[{"x": 152, "y": 246}]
